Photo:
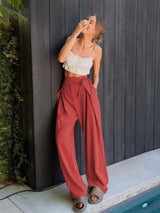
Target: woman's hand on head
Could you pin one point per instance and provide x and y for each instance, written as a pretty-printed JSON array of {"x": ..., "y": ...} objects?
[{"x": 83, "y": 24}]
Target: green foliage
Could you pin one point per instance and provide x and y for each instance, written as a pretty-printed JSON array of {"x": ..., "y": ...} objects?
[
  {"x": 12, "y": 154},
  {"x": 17, "y": 4},
  {"x": 11, "y": 11}
]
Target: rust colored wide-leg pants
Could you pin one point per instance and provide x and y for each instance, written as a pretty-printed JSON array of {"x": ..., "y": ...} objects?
[{"x": 78, "y": 99}]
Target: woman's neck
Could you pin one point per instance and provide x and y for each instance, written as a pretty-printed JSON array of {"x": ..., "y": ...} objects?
[{"x": 86, "y": 41}]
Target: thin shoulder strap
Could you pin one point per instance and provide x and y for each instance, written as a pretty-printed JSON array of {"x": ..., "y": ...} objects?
[{"x": 94, "y": 50}]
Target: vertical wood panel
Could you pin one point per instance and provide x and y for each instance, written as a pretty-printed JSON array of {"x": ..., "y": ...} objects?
[
  {"x": 140, "y": 76},
  {"x": 119, "y": 83},
  {"x": 108, "y": 79},
  {"x": 57, "y": 39},
  {"x": 150, "y": 72},
  {"x": 157, "y": 84},
  {"x": 130, "y": 66},
  {"x": 85, "y": 8},
  {"x": 41, "y": 90}
]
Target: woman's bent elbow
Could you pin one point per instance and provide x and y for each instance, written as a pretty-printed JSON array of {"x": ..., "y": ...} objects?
[{"x": 60, "y": 60}]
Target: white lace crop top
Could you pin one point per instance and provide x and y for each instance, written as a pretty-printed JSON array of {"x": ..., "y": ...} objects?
[{"x": 76, "y": 64}]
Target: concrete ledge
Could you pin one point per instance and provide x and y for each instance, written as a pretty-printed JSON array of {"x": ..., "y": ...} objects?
[{"x": 127, "y": 178}]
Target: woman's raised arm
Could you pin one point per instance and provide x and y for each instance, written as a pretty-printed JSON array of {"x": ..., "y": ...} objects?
[{"x": 63, "y": 54}]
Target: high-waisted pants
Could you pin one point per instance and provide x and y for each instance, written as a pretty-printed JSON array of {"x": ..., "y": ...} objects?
[{"x": 78, "y": 99}]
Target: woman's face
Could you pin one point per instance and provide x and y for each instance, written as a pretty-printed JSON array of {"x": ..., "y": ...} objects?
[{"x": 91, "y": 29}]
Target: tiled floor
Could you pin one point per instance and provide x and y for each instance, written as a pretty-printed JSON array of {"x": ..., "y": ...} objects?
[{"x": 127, "y": 178}]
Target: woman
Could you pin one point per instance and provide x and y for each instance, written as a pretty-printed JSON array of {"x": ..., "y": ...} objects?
[{"x": 78, "y": 99}]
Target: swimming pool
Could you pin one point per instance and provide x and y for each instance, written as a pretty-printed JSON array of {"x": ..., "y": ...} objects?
[{"x": 149, "y": 202}]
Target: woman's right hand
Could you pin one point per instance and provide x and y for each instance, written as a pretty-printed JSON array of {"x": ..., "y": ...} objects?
[{"x": 82, "y": 25}]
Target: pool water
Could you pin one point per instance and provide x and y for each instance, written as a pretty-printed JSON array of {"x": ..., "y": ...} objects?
[{"x": 146, "y": 203}]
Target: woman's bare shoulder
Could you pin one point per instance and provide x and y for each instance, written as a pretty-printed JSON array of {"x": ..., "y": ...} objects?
[
  {"x": 98, "y": 51},
  {"x": 98, "y": 47}
]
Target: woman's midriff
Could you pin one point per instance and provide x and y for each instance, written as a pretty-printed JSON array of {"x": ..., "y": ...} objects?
[{"x": 70, "y": 74}]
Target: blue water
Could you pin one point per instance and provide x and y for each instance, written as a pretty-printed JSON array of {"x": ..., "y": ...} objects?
[{"x": 147, "y": 203}]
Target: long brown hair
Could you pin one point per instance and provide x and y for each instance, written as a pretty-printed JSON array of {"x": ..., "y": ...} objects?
[{"x": 100, "y": 28}]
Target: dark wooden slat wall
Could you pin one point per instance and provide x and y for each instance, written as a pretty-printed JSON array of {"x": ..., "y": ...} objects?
[
  {"x": 157, "y": 84},
  {"x": 150, "y": 74},
  {"x": 129, "y": 78},
  {"x": 140, "y": 76},
  {"x": 108, "y": 79},
  {"x": 57, "y": 37},
  {"x": 40, "y": 41},
  {"x": 128, "y": 89},
  {"x": 119, "y": 80}
]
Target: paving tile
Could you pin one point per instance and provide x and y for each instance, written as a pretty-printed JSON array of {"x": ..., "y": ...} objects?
[{"x": 6, "y": 206}]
